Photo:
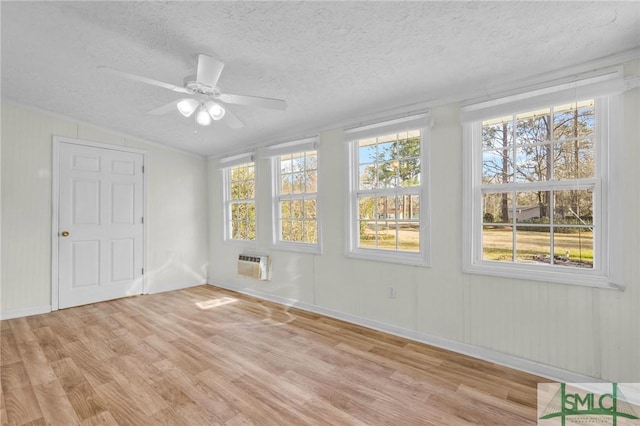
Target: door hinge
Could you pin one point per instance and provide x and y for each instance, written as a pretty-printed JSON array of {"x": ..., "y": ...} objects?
[
  {"x": 142, "y": 219},
  {"x": 142, "y": 271},
  {"x": 142, "y": 169}
]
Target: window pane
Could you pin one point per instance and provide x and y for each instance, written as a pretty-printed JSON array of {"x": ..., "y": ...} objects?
[
  {"x": 574, "y": 160},
  {"x": 286, "y": 182},
  {"x": 251, "y": 230},
  {"x": 286, "y": 166},
  {"x": 573, "y": 247},
  {"x": 298, "y": 162},
  {"x": 311, "y": 181},
  {"x": 533, "y": 163},
  {"x": 366, "y": 207},
  {"x": 310, "y": 209},
  {"x": 387, "y": 235},
  {"x": 533, "y": 127},
  {"x": 286, "y": 230},
  {"x": 386, "y": 208},
  {"x": 238, "y": 231},
  {"x": 497, "y": 207},
  {"x": 367, "y": 234},
  {"x": 533, "y": 244},
  {"x": 574, "y": 207},
  {"x": 386, "y": 150},
  {"x": 298, "y": 183},
  {"x": 311, "y": 161},
  {"x": 310, "y": 232},
  {"x": 573, "y": 121},
  {"x": 285, "y": 209},
  {"x": 250, "y": 188},
  {"x": 408, "y": 207},
  {"x": 367, "y": 151},
  {"x": 297, "y": 230},
  {"x": 408, "y": 148},
  {"x": 296, "y": 209},
  {"x": 497, "y": 243},
  {"x": 533, "y": 207},
  {"x": 386, "y": 175},
  {"x": 409, "y": 172},
  {"x": 409, "y": 236},
  {"x": 497, "y": 166},
  {"x": 367, "y": 176},
  {"x": 497, "y": 133}
]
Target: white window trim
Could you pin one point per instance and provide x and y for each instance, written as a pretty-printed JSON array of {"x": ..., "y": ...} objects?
[
  {"x": 607, "y": 267},
  {"x": 352, "y": 136},
  {"x": 225, "y": 165},
  {"x": 274, "y": 152}
]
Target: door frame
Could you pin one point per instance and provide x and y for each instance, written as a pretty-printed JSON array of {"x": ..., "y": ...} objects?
[{"x": 55, "y": 195}]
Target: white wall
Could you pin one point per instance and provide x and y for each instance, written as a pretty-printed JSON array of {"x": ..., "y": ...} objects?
[
  {"x": 177, "y": 246},
  {"x": 589, "y": 331}
]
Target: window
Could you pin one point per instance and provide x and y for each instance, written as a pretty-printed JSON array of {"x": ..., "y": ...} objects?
[
  {"x": 538, "y": 189},
  {"x": 388, "y": 202},
  {"x": 296, "y": 195},
  {"x": 240, "y": 205}
]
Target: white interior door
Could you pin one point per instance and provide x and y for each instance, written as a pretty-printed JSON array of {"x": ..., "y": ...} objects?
[{"x": 100, "y": 224}]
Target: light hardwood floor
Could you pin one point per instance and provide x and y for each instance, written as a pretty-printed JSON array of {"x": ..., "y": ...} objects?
[{"x": 205, "y": 356}]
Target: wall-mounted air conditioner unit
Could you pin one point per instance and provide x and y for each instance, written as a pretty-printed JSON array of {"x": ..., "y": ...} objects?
[{"x": 254, "y": 266}]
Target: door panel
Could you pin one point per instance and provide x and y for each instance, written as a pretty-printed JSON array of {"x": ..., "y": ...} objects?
[
  {"x": 122, "y": 203},
  {"x": 101, "y": 208},
  {"x": 85, "y": 263},
  {"x": 122, "y": 255},
  {"x": 86, "y": 202}
]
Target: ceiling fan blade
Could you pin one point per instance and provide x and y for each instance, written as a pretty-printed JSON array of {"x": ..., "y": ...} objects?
[
  {"x": 231, "y": 120},
  {"x": 145, "y": 80},
  {"x": 209, "y": 70},
  {"x": 253, "y": 101},
  {"x": 171, "y": 106}
]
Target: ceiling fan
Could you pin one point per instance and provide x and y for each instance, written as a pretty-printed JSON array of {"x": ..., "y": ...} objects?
[{"x": 206, "y": 99}]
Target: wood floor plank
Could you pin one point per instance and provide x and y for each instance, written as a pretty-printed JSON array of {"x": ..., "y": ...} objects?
[
  {"x": 9, "y": 352},
  {"x": 205, "y": 355},
  {"x": 54, "y": 404},
  {"x": 102, "y": 419},
  {"x": 21, "y": 405}
]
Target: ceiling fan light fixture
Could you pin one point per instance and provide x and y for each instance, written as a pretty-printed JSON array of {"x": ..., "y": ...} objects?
[
  {"x": 216, "y": 111},
  {"x": 202, "y": 117},
  {"x": 187, "y": 107}
]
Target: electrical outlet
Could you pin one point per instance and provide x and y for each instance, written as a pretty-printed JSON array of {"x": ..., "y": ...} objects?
[{"x": 392, "y": 293}]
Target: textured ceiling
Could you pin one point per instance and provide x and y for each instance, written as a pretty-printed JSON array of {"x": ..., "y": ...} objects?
[{"x": 331, "y": 61}]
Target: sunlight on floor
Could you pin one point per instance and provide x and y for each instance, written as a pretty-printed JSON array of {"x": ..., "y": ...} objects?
[{"x": 214, "y": 303}]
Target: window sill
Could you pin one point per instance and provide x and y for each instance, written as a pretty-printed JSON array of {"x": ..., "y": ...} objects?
[{"x": 547, "y": 274}]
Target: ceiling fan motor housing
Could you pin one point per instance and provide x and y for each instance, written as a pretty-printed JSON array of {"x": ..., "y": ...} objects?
[{"x": 198, "y": 88}]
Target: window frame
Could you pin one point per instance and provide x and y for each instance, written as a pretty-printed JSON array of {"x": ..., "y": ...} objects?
[
  {"x": 228, "y": 201},
  {"x": 606, "y": 268},
  {"x": 276, "y": 153},
  {"x": 422, "y": 257}
]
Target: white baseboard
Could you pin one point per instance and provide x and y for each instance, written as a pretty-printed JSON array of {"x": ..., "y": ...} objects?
[
  {"x": 552, "y": 373},
  {"x": 36, "y": 310},
  {"x": 163, "y": 289}
]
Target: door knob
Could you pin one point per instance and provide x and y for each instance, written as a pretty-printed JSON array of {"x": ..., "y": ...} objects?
[{"x": 65, "y": 233}]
